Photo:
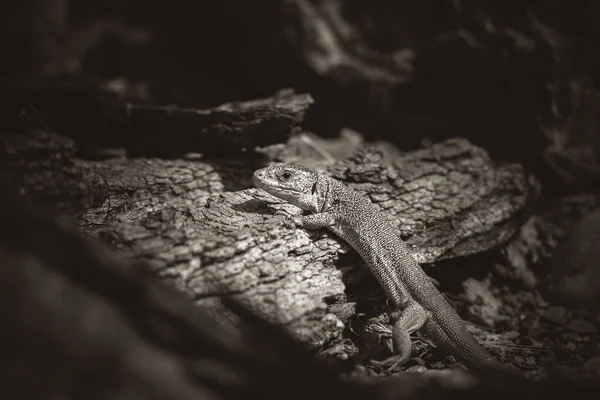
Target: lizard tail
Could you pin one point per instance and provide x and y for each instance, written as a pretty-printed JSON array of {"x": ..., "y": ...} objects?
[{"x": 451, "y": 335}]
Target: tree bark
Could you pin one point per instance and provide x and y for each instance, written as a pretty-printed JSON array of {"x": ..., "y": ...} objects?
[
  {"x": 448, "y": 201},
  {"x": 199, "y": 226},
  {"x": 79, "y": 322}
]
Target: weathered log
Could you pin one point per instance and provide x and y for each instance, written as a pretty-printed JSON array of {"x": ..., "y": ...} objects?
[
  {"x": 169, "y": 130},
  {"x": 449, "y": 200},
  {"x": 42, "y": 166},
  {"x": 79, "y": 322},
  {"x": 190, "y": 220}
]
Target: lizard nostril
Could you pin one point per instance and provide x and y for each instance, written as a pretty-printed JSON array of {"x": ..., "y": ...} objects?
[{"x": 259, "y": 175}]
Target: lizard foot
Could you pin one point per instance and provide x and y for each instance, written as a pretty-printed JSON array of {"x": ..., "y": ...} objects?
[
  {"x": 391, "y": 363},
  {"x": 411, "y": 319},
  {"x": 292, "y": 221}
]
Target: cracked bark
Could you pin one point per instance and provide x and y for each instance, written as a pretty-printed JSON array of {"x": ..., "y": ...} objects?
[
  {"x": 167, "y": 130},
  {"x": 449, "y": 200},
  {"x": 197, "y": 225},
  {"x": 200, "y": 226},
  {"x": 83, "y": 323}
]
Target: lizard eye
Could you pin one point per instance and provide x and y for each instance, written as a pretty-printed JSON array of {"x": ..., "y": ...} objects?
[{"x": 286, "y": 175}]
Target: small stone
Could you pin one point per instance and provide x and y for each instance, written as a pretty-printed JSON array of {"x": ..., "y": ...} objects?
[
  {"x": 582, "y": 327},
  {"x": 438, "y": 365},
  {"x": 547, "y": 342},
  {"x": 519, "y": 359},
  {"x": 530, "y": 361},
  {"x": 592, "y": 365},
  {"x": 415, "y": 362},
  {"x": 417, "y": 369},
  {"x": 450, "y": 359},
  {"x": 535, "y": 333},
  {"x": 571, "y": 337},
  {"x": 526, "y": 341},
  {"x": 511, "y": 335},
  {"x": 558, "y": 315}
]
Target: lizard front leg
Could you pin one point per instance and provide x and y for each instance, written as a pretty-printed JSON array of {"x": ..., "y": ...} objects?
[
  {"x": 315, "y": 221},
  {"x": 409, "y": 320}
]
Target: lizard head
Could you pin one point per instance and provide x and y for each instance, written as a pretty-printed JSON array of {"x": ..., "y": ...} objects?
[{"x": 294, "y": 184}]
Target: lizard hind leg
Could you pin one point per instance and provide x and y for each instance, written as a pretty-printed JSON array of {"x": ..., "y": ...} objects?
[{"x": 409, "y": 320}]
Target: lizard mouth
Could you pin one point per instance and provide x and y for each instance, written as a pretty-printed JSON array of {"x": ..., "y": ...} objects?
[
  {"x": 278, "y": 189},
  {"x": 260, "y": 179}
]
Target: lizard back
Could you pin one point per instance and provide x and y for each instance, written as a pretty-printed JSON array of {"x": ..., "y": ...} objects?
[{"x": 362, "y": 225}]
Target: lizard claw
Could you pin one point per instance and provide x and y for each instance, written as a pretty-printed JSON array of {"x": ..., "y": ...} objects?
[{"x": 293, "y": 222}]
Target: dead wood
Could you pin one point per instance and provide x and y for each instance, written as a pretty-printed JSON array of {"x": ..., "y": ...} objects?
[
  {"x": 199, "y": 227},
  {"x": 43, "y": 167},
  {"x": 79, "y": 322},
  {"x": 103, "y": 120},
  {"x": 449, "y": 200}
]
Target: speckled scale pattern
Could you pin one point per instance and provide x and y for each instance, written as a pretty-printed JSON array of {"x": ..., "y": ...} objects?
[
  {"x": 359, "y": 222},
  {"x": 353, "y": 218}
]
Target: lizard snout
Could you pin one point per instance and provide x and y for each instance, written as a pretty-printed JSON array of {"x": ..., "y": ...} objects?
[{"x": 259, "y": 176}]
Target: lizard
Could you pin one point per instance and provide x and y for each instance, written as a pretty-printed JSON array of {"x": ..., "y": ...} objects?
[{"x": 350, "y": 215}]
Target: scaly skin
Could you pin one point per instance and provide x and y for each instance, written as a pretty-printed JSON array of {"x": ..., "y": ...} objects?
[{"x": 353, "y": 218}]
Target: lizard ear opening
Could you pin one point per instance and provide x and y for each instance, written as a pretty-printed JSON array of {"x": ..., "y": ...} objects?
[{"x": 314, "y": 188}]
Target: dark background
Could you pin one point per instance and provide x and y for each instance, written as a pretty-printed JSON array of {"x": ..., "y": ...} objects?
[{"x": 496, "y": 72}]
